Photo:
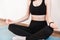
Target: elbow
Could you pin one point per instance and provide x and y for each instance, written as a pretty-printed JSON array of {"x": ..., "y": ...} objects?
[{"x": 27, "y": 17}]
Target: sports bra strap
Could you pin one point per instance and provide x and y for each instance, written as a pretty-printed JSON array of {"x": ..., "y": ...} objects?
[{"x": 43, "y": 1}]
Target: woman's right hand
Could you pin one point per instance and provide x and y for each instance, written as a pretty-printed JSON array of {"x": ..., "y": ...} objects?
[
  {"x": 8, "y": 21},
  {"x": 2, "y": 21}
]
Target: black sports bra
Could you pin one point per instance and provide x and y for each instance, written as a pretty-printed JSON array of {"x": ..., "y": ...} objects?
[{"x": 38, "y": 10}]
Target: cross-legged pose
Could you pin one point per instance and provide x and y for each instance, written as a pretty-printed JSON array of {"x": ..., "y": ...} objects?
[{"x": 40, "y": 18}]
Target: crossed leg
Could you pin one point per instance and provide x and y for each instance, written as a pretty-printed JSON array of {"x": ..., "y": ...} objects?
[
  {"x": 42, "y": 34},
  {"x": 24, "y": 31}
]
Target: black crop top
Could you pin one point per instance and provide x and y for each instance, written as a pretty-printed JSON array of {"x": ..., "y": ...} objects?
[{"x": 38, "y": 10}]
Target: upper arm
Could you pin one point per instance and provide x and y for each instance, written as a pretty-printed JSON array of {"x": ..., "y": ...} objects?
[
  {"x": 27, "y": 9},
  {"x": 48, "y": 10}
]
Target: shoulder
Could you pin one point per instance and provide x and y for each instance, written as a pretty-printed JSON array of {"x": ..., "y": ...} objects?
[
  {"x": 48, "y": 2},
  {"x": 28, "y": 2}
]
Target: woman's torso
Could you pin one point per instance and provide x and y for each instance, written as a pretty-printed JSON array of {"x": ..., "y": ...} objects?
[{"x": 38, "y": 12}]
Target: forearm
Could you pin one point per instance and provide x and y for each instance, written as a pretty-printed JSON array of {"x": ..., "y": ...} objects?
[
  {"x": 22, "y": 19},
  {"x": 49, "y": 19},
  {"x": 8, "y": 21},
  {"x": 53, "y": 25}
]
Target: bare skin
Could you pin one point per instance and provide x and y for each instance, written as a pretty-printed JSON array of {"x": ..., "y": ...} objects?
[{"x": 2, "y": 22}]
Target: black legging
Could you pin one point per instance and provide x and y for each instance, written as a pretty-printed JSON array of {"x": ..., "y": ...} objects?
[{"x": 36, "y": 30}]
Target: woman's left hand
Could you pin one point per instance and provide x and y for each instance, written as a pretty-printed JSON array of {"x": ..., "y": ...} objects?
[{"x": 54, "y": 25}]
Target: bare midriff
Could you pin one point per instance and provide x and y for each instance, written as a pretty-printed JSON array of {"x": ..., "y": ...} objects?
[{"x": 39, "y": 17}]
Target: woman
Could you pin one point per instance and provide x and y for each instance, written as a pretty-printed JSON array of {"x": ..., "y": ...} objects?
[{"x": 38, "y": 28}]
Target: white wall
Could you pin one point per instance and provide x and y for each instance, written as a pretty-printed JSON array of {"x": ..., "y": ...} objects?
[
  {"x": 9, "y": 8},
  {"x": 55, "y": 11},
  {"x": 12, "y": 9}
]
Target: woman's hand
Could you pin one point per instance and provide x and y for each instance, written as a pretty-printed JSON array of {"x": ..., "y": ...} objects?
[
  {"x": 2, "y": 22},
  {"x": 54, "y": 25},
  {"x": 8, "y": 21}
]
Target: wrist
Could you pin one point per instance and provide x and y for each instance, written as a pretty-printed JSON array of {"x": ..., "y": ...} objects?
[{"x": 51, "y": 23}]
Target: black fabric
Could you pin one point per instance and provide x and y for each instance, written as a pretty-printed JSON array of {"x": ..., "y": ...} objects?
[
  {"x": 36, "y": 26},
  {"x": 18, "y": 30},
  {"x": 38, "y": 10},
  {"x": 36, "y": 30},
  {"x": 43, "y": 33}
]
